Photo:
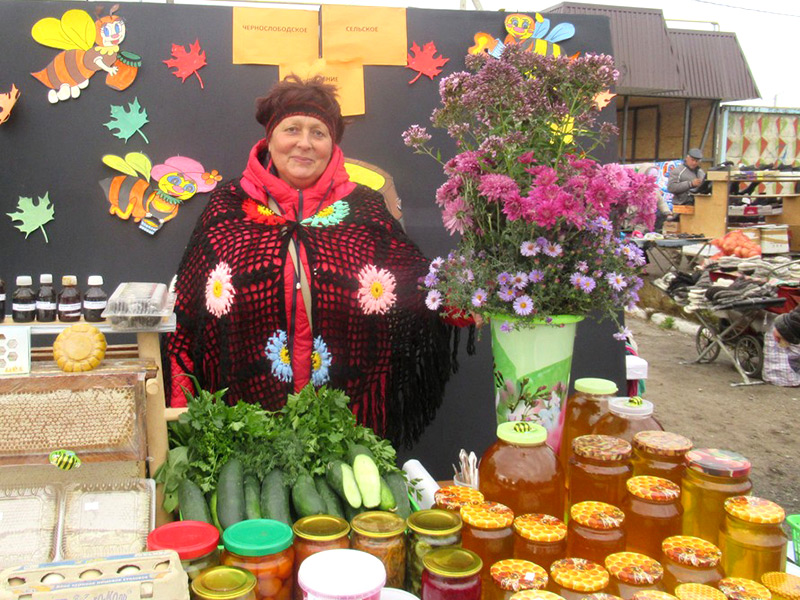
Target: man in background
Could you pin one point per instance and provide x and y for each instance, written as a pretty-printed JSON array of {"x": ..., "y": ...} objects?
[{"x": 686, "y": 177}]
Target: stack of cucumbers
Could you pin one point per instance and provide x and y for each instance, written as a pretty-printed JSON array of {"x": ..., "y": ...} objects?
[{"x": 350, "y": 486}]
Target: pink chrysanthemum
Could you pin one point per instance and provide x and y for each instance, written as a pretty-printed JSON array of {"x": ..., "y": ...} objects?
[
  {"x": 376, "y": 290},
  {"x": 219, "y": 290}
]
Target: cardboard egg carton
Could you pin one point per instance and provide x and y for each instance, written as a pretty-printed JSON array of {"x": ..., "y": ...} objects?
[{"x": 144, "y": 576}]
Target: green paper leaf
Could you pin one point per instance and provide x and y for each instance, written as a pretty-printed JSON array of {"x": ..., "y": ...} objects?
[
  {"x": 128, "y": 122},
  {"x": 33, "y": 215}
]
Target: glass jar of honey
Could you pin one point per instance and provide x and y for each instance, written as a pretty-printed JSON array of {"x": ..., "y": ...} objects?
[
  {"x": 521, "y": 471},
  {"x": 224, "y": 583},
  {"x": 631, "y": 572},
  {"x": 697, "y": 591},
  {"x": 751, "y": 538},
  {"x": 601, "y": 596},
  {"x": 314, "y": 534},
  {"x": 595, "y": 530},
  {"x": 428, "y": 530},
  {"x": 782, "y": 586},
  {"x": 661, "y": 454},
  {"x": 541, "y": 539},
  {"x": 599, "y": 467},
  {"x": 574, "y": 578},
  {"x": 506, "y": 577},
  {"x": 653, "y": 511},
  {"x": 587, "y": 404},
  {"x": 535, "y": 595},
  {"x": 688, "y": 559},
  {"x": 487, "y": 531},
  {"x": 626, "y": 417},
  {"x": 451, "y": 574},
  {"x": 712, "y": 476},
  {"x": 741, "y": 588},
  {"x": 453, "y": 497},
  {"x": 382, "y": 534},
  {"x": 652, "y": 595}
]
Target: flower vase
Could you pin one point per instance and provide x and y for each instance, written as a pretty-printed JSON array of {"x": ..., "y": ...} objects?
[{"x": 532, "y": 365}]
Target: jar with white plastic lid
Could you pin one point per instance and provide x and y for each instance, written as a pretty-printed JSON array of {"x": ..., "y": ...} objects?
[
  {"x": 342, "y": 574},
  {"x": 626, "y": 417}
]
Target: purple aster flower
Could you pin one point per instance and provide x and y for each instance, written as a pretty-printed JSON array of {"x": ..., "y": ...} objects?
[
  {"x": 416, "y": 136},
  {"x": 467, "y": 275},
  {"x": 576, "y": 278},
  {"x": 506, "y": 327},
  {"x": 506, "y": 294},
  {"x": 582, "y": 266},
  {"x": 436, "y": 264},
  {"x": 433, "y": 300},
  {"x": 479, "y": 298},
  {"x": 520, "y": 280},
  {"x": 600, "y": 224},
  {"x": 622, "y": 334},
  {"x": 587, "y": 284},
  {"x": 529, "y": 248},
  {"x": 523, "y": 305},
  {"x": 430, "y": 280},
  {"x": 542, "y": 242},
  {"x": 504, "y": 278},
  {"x": 553, "y": 249},
  {"x": 616, "y": 281},
  {"x": 535, "y": 276}
]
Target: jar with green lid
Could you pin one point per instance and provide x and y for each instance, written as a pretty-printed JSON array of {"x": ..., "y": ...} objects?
[
  {"x": 653, "y": 512},
  {"x": 741, "y": 588},
  {"x": 587, "y": 405},
  {"x": 428, "y": 530},
  {"x": 688, "y": 559},
  {"x": 660, "y": 454},
  {"x": 631, "y": 572},
  {"x": 698, "y": 591},
  {"x": 535, "y": 595},
  {"x": 599, "y": 467},
  {"x": 595, "y": 530},
  {"x": 782, "y": 586},
  {"x": 453, "y": 497},
  {"x": 263, "y": 547},
  {"x": 751, "y": 538},
  {"x": 509, "y": 576},
  {"x": 541, "y": 539},
  {"x": 382, "y": 534},
  {"x": 451, "y": 574},
  {"x": 626, "y": 417},
  {"x": 574, "y": 578},
  {"x": 314, "y": 534},
  {"x": 712, "y": 476},
  {"x": 487, "y": 532},
  {"x": 224, "y": 583},
  {"x": 195, "y": 542}
]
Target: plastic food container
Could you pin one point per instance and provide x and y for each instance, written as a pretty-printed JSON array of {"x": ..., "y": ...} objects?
[
  {"x": 660, "y": 454},
  {"x": 342, "y": 575},
  {"x": 506, "y": 577},
  {"x": 315, "y": 534},
  {"x": 654, "y": 512},
  {"x": 574, "y": 578},
  {"x": 741, "y": 588},
  {"x": 751, "y": 538},
  {"x": 631, "y": 572},
  {"x": 382, "y": 534},
  {"x": 783, "y": 586},
  {"x": 453, "y": 497},
  {"x": 451, "y": 574},
  {"x": 595, "y": 530},
  {"x": 29, "y": 526},
  {"x": 688, "y": 559},
  {"x": 138, "y": 305},
  {"x": 698, "y": 591},
  {"x": 599, "y": 467},
  {"x": 224, "y": 583},
  {"x": 194, "y": 541},
  {"x": 541, "y": 539},
  {"x": 389, "y": 593},
  {"x": 428, "y": 530}
]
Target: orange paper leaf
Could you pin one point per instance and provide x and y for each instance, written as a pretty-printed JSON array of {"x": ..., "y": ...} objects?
[
  {"x": 424, "y": 61},
  {"x": 7, "y": 102},
  {"x": 187, "y": 63},
  {"x": 602, "y": 99}
]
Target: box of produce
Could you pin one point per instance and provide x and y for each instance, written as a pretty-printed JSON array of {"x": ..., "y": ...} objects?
[
  {"x": 28, "y": 524},
  {"x": 136, "y": 305}
]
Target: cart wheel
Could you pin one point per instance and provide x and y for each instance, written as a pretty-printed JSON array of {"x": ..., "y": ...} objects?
[
  {"x": 749, "y": 353},
  {"x": 702, "y": 340}
]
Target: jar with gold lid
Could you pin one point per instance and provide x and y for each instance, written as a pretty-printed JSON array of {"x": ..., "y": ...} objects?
[
  {"x": 506, "y": 577},
  {"x": 652, "y": 595},
  {"x": 689, "y": 559},
  {"x": 451, "y": 574},
  {"x": 314, "y": 534},
  {"x": 487, "y": 531},
  {"x": 697, "y": 591},
  {"x": 382, "y": 534},
  {"x": 631, "y": 572},
  {"x": 595, "y": 530},
  {"x": 224, "y": 583},
  {"x": 782, "y": 586},
  {"x": 653, "y": 511},
  {"x": 660, "y": 454},
  {"x": 601, "y": 596},
  {"x": 453, "y": 497},
  {"x": 599, "y": 467},
  {"x": 574, "y": 578},
  {"x": 428, "y": 530},
  {"x": 539, "y": 538},
  {"x": 751, "y": 538},
  {"x": 741, "y": 588}
]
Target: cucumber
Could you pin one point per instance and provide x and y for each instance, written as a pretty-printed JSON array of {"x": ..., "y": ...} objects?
[
  {"x": 230, "y": 493},
  {"x": 339, "y": 476},
  {"x": 333, "y": 503},
  {"x": 387, "y": 498},
  {"x": 275, "y": 498},
  {"x": 305, "y": 498},
  {"x": 192, "y": 502},
  {"x": 252, "y": 491},
  {"x": 212, "y": 508},
  {"x": 368, "y": 480},
  {"x": 397, "y": 484},
  {"x": 350, "y": 512},
  {"x": 355, "y": 449}
]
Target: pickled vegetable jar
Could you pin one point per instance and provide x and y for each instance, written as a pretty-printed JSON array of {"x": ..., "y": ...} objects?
[
  {"x": 535, "y": 595},
  {"x": 522, "y": 472},
  {"x": 632, "y": 572},
  {"x": 574, "y": 578},
  {"x": 224, "y": 583},
  {"x": 506, "y": 577},
  {"x": 741, "y": 588},
  {"x": 599, "y": 467},
  {"x": 782, "y": 586},
  {"x": 688, "y": 559},
  {"x": 487, "y": 532},
  {"x": 341, "y": 575},
  {"x": 595, "y": 530},
  {"x": 652, "y": 595},
  {"x": 453, "y": 497},
  {"x": 428, "y": 530},
  {"x": 194, "y": 541},
  {"x": 263, "y": 547},
  {"x": 451, "y": 574},
  {"x": 382, "y": 534},
  {"x": 751, "y": 538},
  {"x": 626, "y": 417},
  {"x": 314, "y": 534},
  {"x": 712, "y": 476},
  {"x": 541, "y": 539},
  {"x": 661, "y": 454},
  {"x": 654, "y": 512},
  {"x": 587, "y": 404},
  {"x": 698, "y": 591}
]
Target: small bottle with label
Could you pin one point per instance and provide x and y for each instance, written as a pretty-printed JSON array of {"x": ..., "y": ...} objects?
[
  {"x": 46, "y": 299},
  {"x": 69, "y": 300},
  {"x": 23, "y": 303},
  {"x": 94, "y": 300}
]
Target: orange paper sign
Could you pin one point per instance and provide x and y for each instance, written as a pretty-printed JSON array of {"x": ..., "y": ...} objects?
[
  {"x": 348, "y": 77},
  {"x": 270, "y": 36},
  {"x": 366, "y": 34}
]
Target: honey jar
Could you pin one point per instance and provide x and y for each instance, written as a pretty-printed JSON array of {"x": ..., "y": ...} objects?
[
  {"x": 688, "y": 559},
  {"x": 697, "y": 591},
  {"x": 535, "y": 595},
  {"x": 587, "y": 404},
  {"x": 653, "y": 512},
  {"x": 453, "y": 497},
  {"x": 574, "y": 578},
  {"x": 595, "y": 530},
  {"x": 487, "y": 531},
  {"x": 506, "y": 577},
  {"x": 782, "y": 586},
  {"x": 661, "y": 454},
  {"x": 631, "y": 572},
  {"x": 599, "y": 467},
  {"x": 652, "y": 595},
  {"x": 626, "y": 417},
  {"x": 541, "y": 539},
  {"x": 751, "y": 538},
  {"x": 741, "y": 588}
]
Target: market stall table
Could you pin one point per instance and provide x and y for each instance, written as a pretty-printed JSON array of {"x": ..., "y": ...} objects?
[{"x": 662, "y": 251}]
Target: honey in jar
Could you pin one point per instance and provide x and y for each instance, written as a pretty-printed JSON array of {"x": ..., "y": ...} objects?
[
  {"x": 453, "y": 497},
  {"x": 487, "y": 531},
  {"x": 428, "y": 530},
  {"x": 574, "y": 578},
  {"x": 587, "y": 404},
  {"x": 314, "y": 534},
  {"x": 653, "y": 511},
  {"x": 521, "y": 471},
  {"x": 631, "y": 572},
  {"x": 712, "y": 476},
  {"x": 661, "y": 454},
  {"x": 535, "y": 595},
  {"x": 782, "y": 586},
  {"x": 626, "y": 417},
  {"x": 595, "y": 530},
  {"x": 652, "y": 595},
  {"x": 688, "y": 559},
  {"x": 741, "y": 588},
  {"x": 601, "y": 596},
  {"x": 599, "y": 467},
  {"x": 751, "y": 538},
  {"x": 541, "y": 539},
  {"x": 382, "y": 534},
  {"x": 506, "y": 577},
  {"x": 698, "y": 591}
]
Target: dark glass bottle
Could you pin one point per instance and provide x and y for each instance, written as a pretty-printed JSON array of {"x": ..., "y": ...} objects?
[
  {"x": 94, "y": 300},
  {"x": 46, "y": 299},
  {"x": 69, "y": 300},
  {"x": 23, "y": 303}
]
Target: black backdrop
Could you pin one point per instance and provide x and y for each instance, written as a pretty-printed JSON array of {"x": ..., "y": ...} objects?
[{"x": 57, "y": 149}]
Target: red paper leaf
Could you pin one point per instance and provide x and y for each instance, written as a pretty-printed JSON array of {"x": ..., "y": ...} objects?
[
  {"x": 187, "y": 63},
  {"x": 424, "y": 61}
]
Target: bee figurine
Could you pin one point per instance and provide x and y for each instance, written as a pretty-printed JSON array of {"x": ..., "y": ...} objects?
[
  {"x": 65, "y": 460},
  {"x": 532, "y": 33}
]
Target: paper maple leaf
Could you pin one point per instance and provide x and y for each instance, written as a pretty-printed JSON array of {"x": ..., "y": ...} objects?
[
  {"x": 33, "y": 215},
  {"x": 185, "y": 63},
  {"x": 602, "y": 99},
  {"x": 424, "y": 61},
  {"x": 129, "y": 121}
]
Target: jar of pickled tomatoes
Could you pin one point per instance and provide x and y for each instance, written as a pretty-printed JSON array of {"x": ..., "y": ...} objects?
[
  {"x": 451, "y": 574},
  {"x": 599, "y": 467},
  {"x": 487, "y": 531},
  {"x": 382, "y": 534},
  {"x": 653, "y": 511},
  {"x": 751, "y": 538},
  {"x": 509, "y": 576},
  {"x": 195, "y": 542},
  {"x": 626, "y": 417},
  {"x": 541, "y": 539},
  {"x": 314, "y": 534},
  {"x": 428, "y": 530},
  {"x": 741, "y": 588},
  {"x": 697, "y": 591},
  {"x": 595, "y": 530},
  {"x": 587, "y": 404},
  {"x": 453, "y": 497},
  {"x": 661, "y": 454},
  {"x": 631, "y": 572},
  {"x": 688, "y": 559},
  {"x": 574, "y": 578},
  {"x": 782, "y": 586}
]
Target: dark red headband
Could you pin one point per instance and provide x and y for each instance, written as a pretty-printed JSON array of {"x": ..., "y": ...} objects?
[{"x": 306, "y": 109}]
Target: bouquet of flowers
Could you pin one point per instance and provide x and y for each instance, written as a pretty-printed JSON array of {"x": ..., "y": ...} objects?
[{"x": 539, "y": 219}]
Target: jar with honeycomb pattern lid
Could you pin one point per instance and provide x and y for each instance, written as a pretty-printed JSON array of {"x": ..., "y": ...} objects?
[{"x": 751, "y": 539}]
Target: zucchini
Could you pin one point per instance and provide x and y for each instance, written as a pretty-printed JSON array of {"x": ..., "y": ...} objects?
[
  {"x": 275, "y": 498},
  {"x": 355, "y": 449},
  {"x": 230, "y": 493},
  {"x": 350, "y": 512},
  {"x": 212, "y": 508},
  {"x": 368, "y": 480},
  {"x": 387, "y": 498},
  {"x": 339, "y": 476},
  {"x": 192, "y": 502},
  {"x": 333, "y": 503},
  {"x": 305, "y": 498},
  {"x": 252, "y": 492},
  {"x": 397, "y": 484}
]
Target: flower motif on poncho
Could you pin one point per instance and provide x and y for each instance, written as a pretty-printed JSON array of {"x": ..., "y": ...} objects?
[
  {"x": 320, "y": 362},
  {"x": 219, "y": 290},
  {"x": 261, "y": 213},
  {"x": 330, "y": 215},
  {"x": 376, "y": 290},
  {"x": 277, "y": 352}
]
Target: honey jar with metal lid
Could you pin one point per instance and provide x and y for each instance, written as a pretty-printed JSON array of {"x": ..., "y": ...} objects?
[
  {"x": 751, "y": 538},
  {"x": 314, "y": 534},
  {"x": 599, "y": 467},
  {"x": 782, "y": 586},
  {"x": 652, "y": 595},
  {"x": 595, "y": 530},
  {"x": 451, "y": 574},
  {"x": 601, "y": 596},
  {"x": 453, "y": 497},
  {"x": 573, "y": 578},
  {"x": 654, "y": 512},
  {"x": 224, "y": 583},
  {"x": 631, "y": 572},
  {"x": 741, "y": 588},
  {"x": 661, "y": 454},
  {"x": 428, "y": 530},
  {"x": 697, "y": 591},
  {"x": 689, "y": 559},
  {"x": 535, "y": 595},
  {"x": 506, "y": 577},
  {"x": 539, "y": 538},
  {"x": 488, "y": 532},
  {"x": 383, "y": 535}
]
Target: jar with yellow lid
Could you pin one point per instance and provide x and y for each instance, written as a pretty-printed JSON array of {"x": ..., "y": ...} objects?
[
  {"x": 631, "y": 572},
  {"x": 601, "y": 596},
  {"x": 712, "y": 476},
  {"x": 488, "y": 532},
  {"x": 653, "y": 510},
  {"x": 453, "y": 497},
  {"x": 541, "y": 539},
  {"x": 599, "y": 467},
  {"x": 382, "y": 534},
  {"x": 688, "y": 559},
  {"x": 574, "y": 578},
  {"x": 626, "y": 417},
  {"x": 782, "y": 586},
  {"x": 535, "y": 595},
  {"x": 660, "y": 454},
  {"x": 506, "y": 577},
  {"x": 314, "y": 534},
  {"x": 652, "y": 595},
  {"x": 224, "y": 583},
  {"x": 751, "y": 538},
  {"x": 451, "y": 574},
  {"x": 595, "y": 530},
  {"x": 428, "y": 530},
  {"x": 741, "y": 588},
  {"x": 697, "y": 591}
]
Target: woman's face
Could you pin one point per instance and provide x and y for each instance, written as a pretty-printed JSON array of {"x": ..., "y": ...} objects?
[{"x": 300, "y": 148}]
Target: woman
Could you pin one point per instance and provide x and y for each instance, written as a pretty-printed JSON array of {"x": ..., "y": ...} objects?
[{"x": 295, "y": 274}]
